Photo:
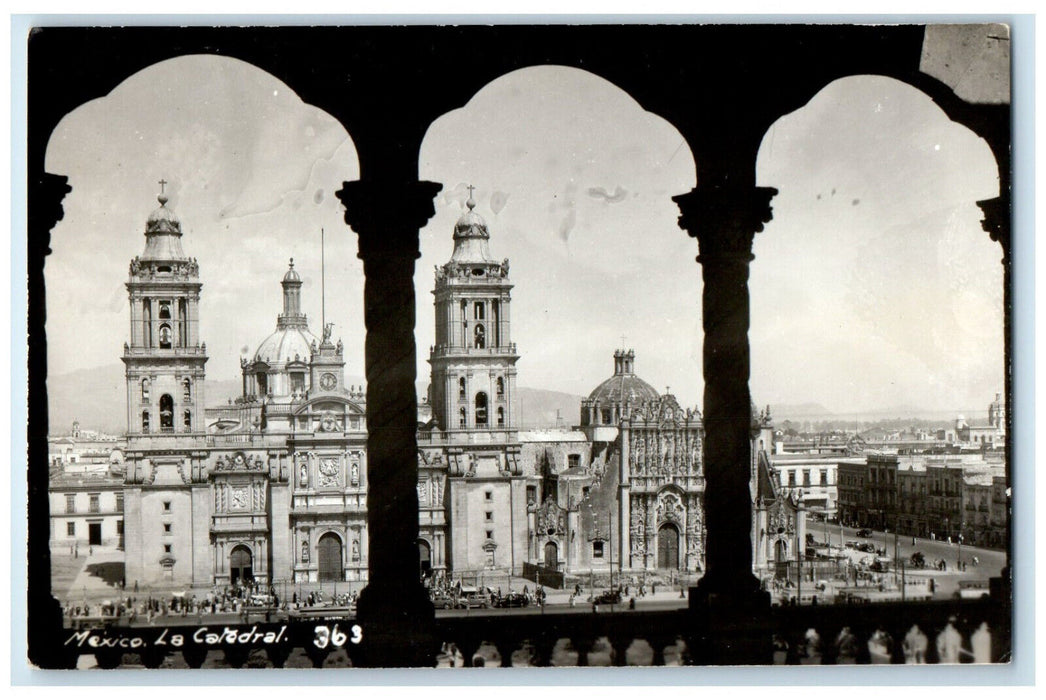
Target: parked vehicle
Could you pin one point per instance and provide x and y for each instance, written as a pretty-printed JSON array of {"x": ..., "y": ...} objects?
[
  {"x": 864, "y": 532},
  {"x": 610, "y": 597},
  {"x": 512, "y": 600},
  {"x": 918, "y": 560},
  {"x": 445, "y": 601},
  {"x": 475, "y": 600}
]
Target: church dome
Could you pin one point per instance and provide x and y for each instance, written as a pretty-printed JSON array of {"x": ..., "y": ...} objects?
[
  {"x": 286, "y": 345},
  {"x": 292, "y": 275},
  {"x": 163, "y": 234},
  {"x": 471, "y": 237},
  {"x": 624, "y": 385},
  {"x": 163, "y": 220}
]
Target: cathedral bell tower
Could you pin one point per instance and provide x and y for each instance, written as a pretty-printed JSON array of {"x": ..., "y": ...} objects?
[
  {"x": 474, "y": 359},
  {"x": 165, "y": 358}
]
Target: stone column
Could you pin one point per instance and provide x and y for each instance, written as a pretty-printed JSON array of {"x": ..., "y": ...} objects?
[
  {"x": 394, "y": 608},
  {"x": 727, "y": 604},
  {"x": 997, "y": 223},
  {"x": 46, "y": 192},
  {"x": 724, "y": 218}
]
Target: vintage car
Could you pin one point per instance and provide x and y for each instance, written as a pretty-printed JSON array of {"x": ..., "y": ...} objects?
[
  {"x": 512, "y": 600},
  {"x": 864, "y": 532},
  {"x": 445, "y": 601},
  {"x": 610, "y": 597}
]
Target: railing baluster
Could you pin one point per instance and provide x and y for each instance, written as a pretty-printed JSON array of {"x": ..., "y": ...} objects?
[
  {"x": 620, "y": 646},
  {"x": 582, "y": 645}
]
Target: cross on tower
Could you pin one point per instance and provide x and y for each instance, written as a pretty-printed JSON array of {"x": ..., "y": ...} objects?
[
  {"x": 163, "y": 184},
  {"x": 471, "y": 188},
  {"x": 623, "y": 342}
]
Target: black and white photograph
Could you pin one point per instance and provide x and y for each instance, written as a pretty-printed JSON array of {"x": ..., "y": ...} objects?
[{"x": 520, "y": 345}]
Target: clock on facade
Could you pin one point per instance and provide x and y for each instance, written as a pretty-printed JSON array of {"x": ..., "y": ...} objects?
[{"x": 328, "y": 381}]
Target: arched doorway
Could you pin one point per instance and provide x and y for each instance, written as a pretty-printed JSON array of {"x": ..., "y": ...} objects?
[
  {"x": 668, "y": 547},
  {"x": 425, "y": 552},
  {"x": 241, "y": 565},
  {"x": 551, "y": 555},
  {"x": 780, "y": 551},
  {"x": 331, "y": 558}
]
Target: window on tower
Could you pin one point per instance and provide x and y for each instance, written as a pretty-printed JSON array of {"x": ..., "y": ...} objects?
[
  {"x": 481, "y": 409},
  {"x": 501, "y": 416},
  {"x": 461, "y": 387},
  {"x": 183, "y": 324},
  {"x": 145, "y": 390},
  {"x": 165, "y": 336},
  {"x": 461, "y": 417},
  {"x": 480, "y": 336},
  {"x": 187, "y": 421},
  {"x": 477, "y": 310},
  {"x": 501, "y": 387},
  {"x": 166, "y": 413},
  {"x": 165, "y": 310},
  {"x": 145, "y": 421},
  {"x": 186, "y": 390}
]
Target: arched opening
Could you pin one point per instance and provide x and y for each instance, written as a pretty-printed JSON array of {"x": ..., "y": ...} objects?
[
  {"x": 186, "y": 390},
  {"x": 425, "y": 555},
  {"x": 501, "y": 416},
  {"x": 187, "y": 421},
  {"x": 551, "y": 555},
  {"x": 500, "y": 387},
  {"x": 480, "y": 336},
  {"x": 165, "y": 336},
  {"x": 241, "y": 565},
  {"x": 780, "y": 551},
  {"x": 279, "y": 159},
  {"x": 462, "y": 418},
  {"x": 668, "y": 547},
  {"x": 562, "y": 159},
  {"x": 481, "y": 409},
  {"x": 145, "y": 421},
  {"x": 166, "y": 413},
  {"x": 331, "y": 558},
  {"x": 145, "y": 390},
  {"x": 890, "y": 196}
]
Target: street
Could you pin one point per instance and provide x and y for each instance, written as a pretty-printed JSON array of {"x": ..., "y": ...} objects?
[{"x": 990, "y": 561}]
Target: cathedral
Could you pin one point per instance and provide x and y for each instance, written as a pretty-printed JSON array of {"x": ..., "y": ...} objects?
[{"x": 273, "y": 486}]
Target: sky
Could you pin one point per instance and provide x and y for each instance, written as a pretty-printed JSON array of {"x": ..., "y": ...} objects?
[{"x": 873, "y": 287}]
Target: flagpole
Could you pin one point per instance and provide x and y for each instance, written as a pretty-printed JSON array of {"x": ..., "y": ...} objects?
[{"x": 323, "y": 283}]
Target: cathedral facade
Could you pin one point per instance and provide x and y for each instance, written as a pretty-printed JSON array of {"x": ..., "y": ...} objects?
[{"x": 273, "y": 486}]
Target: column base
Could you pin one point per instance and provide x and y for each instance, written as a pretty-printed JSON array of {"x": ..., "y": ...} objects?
[
  {"x": 398, "y": 626},
  {"x": 730, "y": 626}
]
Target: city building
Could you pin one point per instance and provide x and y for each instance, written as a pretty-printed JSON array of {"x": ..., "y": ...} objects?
[{"x": 87, "y": 509}]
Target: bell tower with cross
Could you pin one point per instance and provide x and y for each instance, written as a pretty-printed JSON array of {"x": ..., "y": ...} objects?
[
  {"x": 166, "y": 430},
  {"x": 474, "y": 359}
]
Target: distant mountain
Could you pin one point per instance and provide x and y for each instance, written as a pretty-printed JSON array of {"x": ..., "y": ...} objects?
[
  {"x": 541, "y": 408},
  {"x": 97, "y": 398},
  {"x": 799, "y": 412}
]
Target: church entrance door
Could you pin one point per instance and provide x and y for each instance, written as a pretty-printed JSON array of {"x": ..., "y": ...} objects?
[
  {"x": 240, "y": 565},
  {"x": 551, "y": 556},
  {"x": 425, "y": 551},
  {"x": 331, "y": 558},
  {"x": 668, "y": 547}
]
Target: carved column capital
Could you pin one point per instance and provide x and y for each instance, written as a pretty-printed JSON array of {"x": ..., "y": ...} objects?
[
  {"x": 725, "y": 219},
  {"x": 996, "y": 221},
  {"x": 387, "y": 217}
]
